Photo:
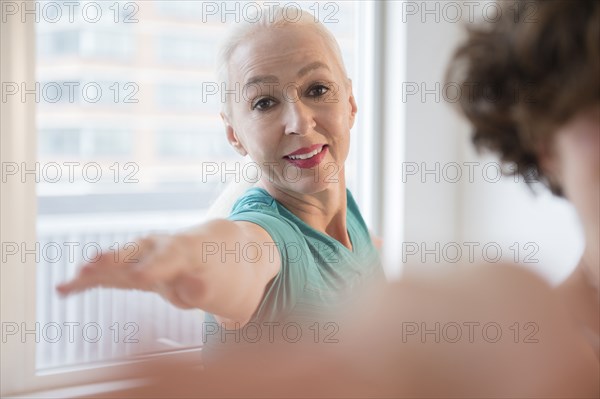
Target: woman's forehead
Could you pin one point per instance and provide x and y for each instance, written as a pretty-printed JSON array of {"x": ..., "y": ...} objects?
[{"x": 281, "y": 52}]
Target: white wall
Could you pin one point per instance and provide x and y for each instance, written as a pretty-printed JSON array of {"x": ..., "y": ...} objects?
[
  {"x": 431, "y": 133},
  {"x": 507, "y": 212},
  {"x": 476, "y": 210}
]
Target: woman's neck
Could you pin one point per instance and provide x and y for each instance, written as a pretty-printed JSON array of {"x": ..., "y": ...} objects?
[{"x": 324, "y": 211}]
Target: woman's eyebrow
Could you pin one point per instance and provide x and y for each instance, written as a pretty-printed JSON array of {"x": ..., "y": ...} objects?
[
  {"x": 274, "y": 79},
  {"x": 261, "y": 79},
  {"x": 311, "y": 67}
]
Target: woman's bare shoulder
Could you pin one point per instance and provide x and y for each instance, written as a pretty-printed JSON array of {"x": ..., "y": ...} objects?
[{"x": 475, "y": 331}]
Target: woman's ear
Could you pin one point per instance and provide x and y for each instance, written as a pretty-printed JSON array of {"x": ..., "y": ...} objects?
[
  {"x": 353, "y": 106},
  {"x": 232, "y": 136}
]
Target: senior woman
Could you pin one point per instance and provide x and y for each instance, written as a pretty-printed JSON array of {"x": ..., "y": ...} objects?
[{"x": 295, "y": 246}]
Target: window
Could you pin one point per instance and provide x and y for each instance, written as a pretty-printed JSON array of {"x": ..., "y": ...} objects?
[
  {"x": 58, "y": 43},
  {"x": 65, "y": 142},
  {"x": 180, "y": 9},
  {"x": 188, "y": 96},
  {"x": 106, "y": 44},
  {"x": 190, "y": 144},
  {"x": 186, "y": 50}
]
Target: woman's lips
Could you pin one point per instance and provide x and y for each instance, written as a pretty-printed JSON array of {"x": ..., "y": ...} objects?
[
  {"x": 311, "y": 162},
  {"x": 306, "y": 150}
]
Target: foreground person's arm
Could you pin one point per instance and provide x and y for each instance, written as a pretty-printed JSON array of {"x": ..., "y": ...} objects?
[
  {"x": 392, "y": 348},
  {"x": 477, "y": 331},
  {"x": 201, "y": 268}
]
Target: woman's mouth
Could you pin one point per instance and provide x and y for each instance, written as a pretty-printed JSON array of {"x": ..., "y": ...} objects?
[{"x": 310, "y": 157}]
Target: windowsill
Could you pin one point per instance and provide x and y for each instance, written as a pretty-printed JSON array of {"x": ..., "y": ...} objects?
[
  {"x": 115, "y": 388},
  {"x": 84, "y": 391}
]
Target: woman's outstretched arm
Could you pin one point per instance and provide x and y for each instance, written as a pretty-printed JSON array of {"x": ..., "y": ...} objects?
[{"x": 221, "y": 267}]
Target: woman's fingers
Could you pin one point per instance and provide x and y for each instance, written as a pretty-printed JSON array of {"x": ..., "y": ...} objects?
[
  {"x": 92, "y": 274},
  {"x": 132, "y": 266},
  {"x": 84, "y": 280}
]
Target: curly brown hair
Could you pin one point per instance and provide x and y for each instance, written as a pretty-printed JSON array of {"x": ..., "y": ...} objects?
[{"x": 526, "y": 73}]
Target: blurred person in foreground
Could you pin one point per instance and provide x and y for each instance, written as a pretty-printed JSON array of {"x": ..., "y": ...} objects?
[
  {"x": 485, "y": 331},
  {"x": 531, "y": 86}
]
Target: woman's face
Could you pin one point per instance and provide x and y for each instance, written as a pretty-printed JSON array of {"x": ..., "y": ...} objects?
[
  {"x": 575, "y": 161},
  {"x": 294, "y": 109}
]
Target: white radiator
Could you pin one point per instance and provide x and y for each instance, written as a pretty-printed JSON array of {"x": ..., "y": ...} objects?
[{"x": 102, "y": 324}]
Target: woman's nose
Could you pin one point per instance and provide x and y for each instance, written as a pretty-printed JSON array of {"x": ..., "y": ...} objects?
[{"x": 299, "y": 118}]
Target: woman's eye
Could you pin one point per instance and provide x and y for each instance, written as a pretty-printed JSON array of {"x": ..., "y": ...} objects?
[
  {"x": 263, "y": 104},
  {"x": 318, "y": 91}
]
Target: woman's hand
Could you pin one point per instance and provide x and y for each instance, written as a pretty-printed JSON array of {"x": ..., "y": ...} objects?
[{"x": 165, "y": 264}]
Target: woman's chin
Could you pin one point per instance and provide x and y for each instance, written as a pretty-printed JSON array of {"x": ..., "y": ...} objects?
[
  {"x": 308, "y": 186},
  {"x": 311, "y": 180}
]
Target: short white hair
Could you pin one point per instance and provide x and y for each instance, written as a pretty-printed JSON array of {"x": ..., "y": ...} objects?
[{"x": 269, "y": 18}]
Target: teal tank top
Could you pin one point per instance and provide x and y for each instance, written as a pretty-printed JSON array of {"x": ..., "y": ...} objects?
[{"x": 318, "y": 275}]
